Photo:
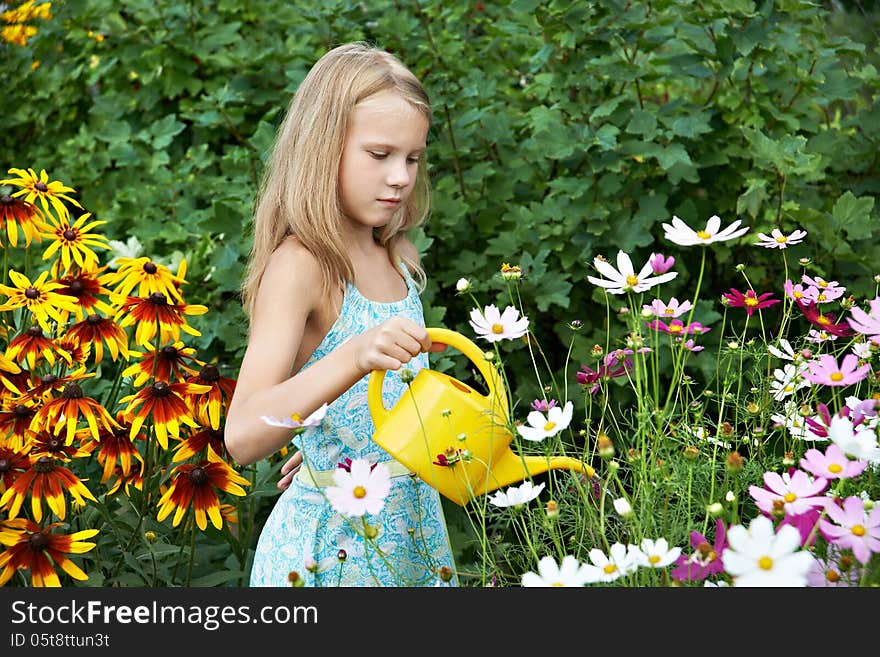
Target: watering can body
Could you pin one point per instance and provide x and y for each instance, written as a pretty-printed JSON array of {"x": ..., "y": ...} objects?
[{"x": 452, "y": 436}]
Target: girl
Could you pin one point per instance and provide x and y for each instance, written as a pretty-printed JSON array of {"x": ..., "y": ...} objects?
[{"x": 331, "y": 294}]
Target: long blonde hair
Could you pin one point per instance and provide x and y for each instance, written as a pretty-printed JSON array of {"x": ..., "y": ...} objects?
[{"x": 298, "y": 195}]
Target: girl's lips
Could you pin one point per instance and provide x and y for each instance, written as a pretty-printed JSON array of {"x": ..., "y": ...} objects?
[{"x": 389, "y": 201}]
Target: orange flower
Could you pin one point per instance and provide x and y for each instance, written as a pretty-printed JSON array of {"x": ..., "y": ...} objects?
[
  {"x": 65, "y": 411},
  {"x": 7, "y": 370},
  {"x": 161, "y": 364},
  {"x": 196, "y": 484},
  {"x": 14, "y": 460},
  {"x": 207, "y": 406},
  {"x": 45, "y": 444},
  {"x": 40, "y": 298},
  {"x": 134, "y": 478},
  {"x": 84, "y": 285},
  {"x": 18, "y": 213},
  {"x": 39, "y": 188},
  {"x": 201, "y": 440},
  {"x": 36, "y": 549},
  {"x": 165, "y": 402},
  {"x": 153, "y": 314},
  {"x": 97, "y": 331},
  {"x": 71, "y": 350},
  {"x": 32, "y": 346},
  {"x": 117, "y": 445},
  {"x": 44, "y": 385},
  {"x": 15, "y": 421},
  {"x": 45, "y": 478}
]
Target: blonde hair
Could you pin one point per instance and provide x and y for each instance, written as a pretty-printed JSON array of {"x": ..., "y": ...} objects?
[{"x": 298, "y": 195}]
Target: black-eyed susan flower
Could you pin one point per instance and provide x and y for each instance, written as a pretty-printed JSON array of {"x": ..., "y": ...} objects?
[
  {"x": 135, "y": 478},
  {"x": 164, "y": 403},
  {"x": 207, "y": 406},
  {"x": 167, "y": 364},
  {"x": 98, "y": 331},
  {"x": 44, "y": 443},
  {"x": 75, "y": 242},
  {"x": 45, "y": 479},
  {"x": 14, "y": 460},
  {"x": 34, "y": 188},
  {"x": 147, "y": 276},
  {"x": 40, "y": 298},
  {"x": 37, "y": 549},
  {"x": 8, "y": 372},
  {"x": 196, "y": 485},
  {"x": 65, "y": 412},
  {"x": 16, "y": 415},
  {"x": 198, "y": 442},
  {"x": 42, "y": 386},
  {"x": 85, "y": 286},
  {"x": 71, "y": 351},
  {"x": 155, "y": 315},
  {"x": 17, "y": 33},
  {"x": 32, "y": 347},
  {"x": 19, "y": 215},
  {"x": 116, "y": 449}
]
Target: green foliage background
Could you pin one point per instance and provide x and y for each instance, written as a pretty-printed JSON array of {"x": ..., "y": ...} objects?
[{"x": 563, "y": 130}]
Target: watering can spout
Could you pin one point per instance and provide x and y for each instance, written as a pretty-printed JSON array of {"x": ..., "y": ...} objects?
[{"x": 514, "y": 468}]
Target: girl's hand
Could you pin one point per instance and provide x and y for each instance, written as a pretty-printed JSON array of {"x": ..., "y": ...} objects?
[
  {"x": 294, "y": 463},
  {"x": 391, "y": 344}
]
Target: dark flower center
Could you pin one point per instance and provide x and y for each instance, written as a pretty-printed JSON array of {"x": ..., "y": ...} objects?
[
  {"x": 21, "y": 410},
  {"x": 209, "y": 374},
  {"x": 216, "y": 434},
  {"x": 158, "y": 299},
  {"x": 34, "y": 332},
  {"x": 6, "y": 199},
  {"x": 150, "y": 267},
  {"x": 77, "y": 288},
  {"x": 198, "y": 476},
  {"x": 161, "y": 389},
  {"x": 5, "y": 465},
  {"x": 93, "y": 319},
  {"x": 169, "y": 353},
  {"x": 39, "y": 541},
  {"x": 72, "y": 391},
  {"x": 54, "y": 445},
  {"x": 41, "y": 187},
  {"x": 44, "y": 464},
  {"x": 69, "y": 235},
  {"x": 48, "y": 379},
  {"x": 32, "y": 293}
]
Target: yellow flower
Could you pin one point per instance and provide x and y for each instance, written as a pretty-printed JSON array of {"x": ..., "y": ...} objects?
[
  {"x": 38, "y": 297},
  {"x": 146, "y": 275},
  {"x": 37, "y": 187},
  {"x": 75, "y": 241}
]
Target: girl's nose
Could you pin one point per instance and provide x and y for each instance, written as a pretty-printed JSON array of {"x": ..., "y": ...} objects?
[{"x": 399, "y": 174}]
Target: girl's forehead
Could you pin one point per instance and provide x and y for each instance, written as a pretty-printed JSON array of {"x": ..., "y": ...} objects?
[{"x": 387, "y": 110}]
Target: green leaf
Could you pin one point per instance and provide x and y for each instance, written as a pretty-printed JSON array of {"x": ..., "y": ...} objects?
[
  {"x": 750, "y": 200},
  {"x": 853, "y": 215},
  {"x": 218, "y": 578},
  {"x": 642, "y": 123}
]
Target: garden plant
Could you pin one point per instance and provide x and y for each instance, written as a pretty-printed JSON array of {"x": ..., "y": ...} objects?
[{"x": 658, "y": 219}]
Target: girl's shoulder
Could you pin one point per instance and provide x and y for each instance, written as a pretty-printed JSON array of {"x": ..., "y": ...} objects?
[
  {"x": 408, "y": 253},
  {"x": 294, "y": 269}
]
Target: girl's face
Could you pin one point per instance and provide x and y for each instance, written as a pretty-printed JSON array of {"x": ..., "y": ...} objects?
[{"x": 380, "y": 158}]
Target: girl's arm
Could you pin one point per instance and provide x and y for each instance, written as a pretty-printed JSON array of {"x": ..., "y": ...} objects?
[{"x": 289, "y": 292}]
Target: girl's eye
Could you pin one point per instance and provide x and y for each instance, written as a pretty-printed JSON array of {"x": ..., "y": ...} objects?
[
  {"x": 412, "y": 160},
  {"x": 378, "y": 156}
]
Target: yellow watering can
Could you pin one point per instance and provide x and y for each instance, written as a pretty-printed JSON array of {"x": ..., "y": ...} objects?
[{"x": 452, "y": 436}]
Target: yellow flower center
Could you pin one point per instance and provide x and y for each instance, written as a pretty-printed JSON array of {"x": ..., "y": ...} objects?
[
  {"x": 669, "y": 311},
  {"x": 823, "y": 320},
  {"x": 703, "y": 235},
  {"x": 751, "y": 301},
  {"x": 821, "y": 297},
  {"x": 296, "y": 417},
  {"x": 497, "y": 329},
  {"x": 834, "y": 468},
  {"x": 858, "y": 530},
  {"x": 632, "y": 279},
  {"x": 557, "y": 584},
  {"x": 359, "y": 492},
  {"x": 610, "y": 568},
  {"x": 782, "y": 239},
  {"x": 832, "y": 576},
  {"x": 765, "y": 563},
  {"x": 549, "y": 426},
  {"x": 789, "y": 497},
  {"x": 675, "y": 328},
  {"x": 821, "y": 282},
  {"x": 653, "y": 558},
  {"x": 836, "y": 376},
  {"x": 797, "y": 295}
]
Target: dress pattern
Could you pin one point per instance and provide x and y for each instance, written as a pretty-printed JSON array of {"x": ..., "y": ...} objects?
[{"x": 412, "y": 541}]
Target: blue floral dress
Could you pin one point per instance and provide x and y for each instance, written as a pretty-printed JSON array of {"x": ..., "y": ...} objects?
[{"x": 412, "y": 542}]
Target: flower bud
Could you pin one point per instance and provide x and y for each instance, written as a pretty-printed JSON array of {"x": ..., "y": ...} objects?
[
  {"x": 445, "y": 573},
  {"x": 691, "y": 453},
  {"x": 311, "y": 565},
  {"x": 511, "y": 272},
  {"x": 752, "y": 407},
  {"x": 622, "y": 506},
  {"x": 714, "y": 509},
  {"x": 407, "y": 375},
  {"x": 734, "y": 462},
  {"x": 597, "y": 351},
  {"x": 463, "y": 285},
  {"x": 150, "y": 536},
  {"x": 295, "y": 579},
  {"x": 489, "y": 355},
  {"x": 551, "y": 509},
  {"x": 730, "y": 497},
  {"x": 575, "y": 325},
  {"x": 604, "y": 446},
  {"x": 342, "y": 555}
]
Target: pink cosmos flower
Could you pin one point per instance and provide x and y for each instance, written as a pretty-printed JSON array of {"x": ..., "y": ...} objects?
[
  {"x": 853, "y": 527},
  {"x": 777, "y": 240},
  {"x": 659, "y": 264},
  {"x": 824, "y": 321},
  {"x": 543, "y": 405},
  {"x": 672, "y": 309},
  {"x": 793, "y": 291},
  {"x": 831, "y": 288},
  {"x": 690, "y": 345},
  {"x": 823, "y": 295},
  {"x": 833, "y": 464},
  {"x": 826, "y": 371},
  {"x": 706, "y": 559},
  {"x": 677, "y": 327},
  {"x": 791, "y": 494},
  {"x": 867, "y": 323},
  {"x": 610, "y": 368},
  {"x": 750, "y": 300},
  {"x": 834, "y": 571}
]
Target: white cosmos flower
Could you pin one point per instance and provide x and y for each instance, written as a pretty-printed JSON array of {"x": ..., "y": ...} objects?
[
  {"x": 543, "y": 426},
  {"x": 517, "y": 496},
  {"x": 295, "y": 421},
  {"x": 758, "y": 556},
  {"x": 786, "y": 353},
  {"x": 654, "y": 554},
  {"x": 607, "y": 568},
  {"x": 568, "y": 573},
  {"x": 362, "y": 490},
  {"x": 859, "y": 442},
  {"x": 624, "y": 278},
  {"x": 683, "y": 235},
  {"x": 777, "y": 240},
  {"x": 787, "y": 380},
  {"x": 622, "y": 506},
  {"x": 495, "y": 326}
]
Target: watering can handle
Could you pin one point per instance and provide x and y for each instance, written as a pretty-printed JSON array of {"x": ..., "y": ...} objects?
[{"x": 445, "y": 336}]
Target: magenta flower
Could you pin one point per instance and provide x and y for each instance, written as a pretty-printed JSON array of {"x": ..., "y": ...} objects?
[
  {"x": 789, "y": 494},
  {"x": 826, "y": 371},
  {"x": 610, "y": 368},
  {"x": 805, "y": 523},
  {"x": 824, "y": 321},
  {"x": 543, "y": 405},
  {"x": 867, "y": 323},
  {"x": 677, "y": 327},
  {"x": 853, "y": 527},
  {"x": 659, "y": 264},
  {"x": 750, "y": 301},
  {"x": 833, "y": 464},
  {"x": 706, "y": 559}
]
